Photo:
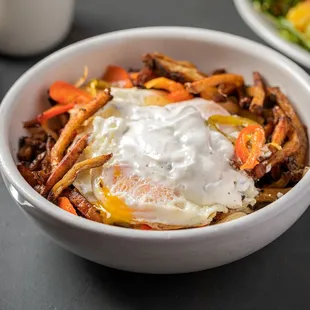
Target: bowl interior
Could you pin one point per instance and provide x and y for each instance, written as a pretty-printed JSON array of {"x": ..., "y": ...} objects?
[
  {"x": 207, "y": 53},
  {"x": 209, "y": 50}
]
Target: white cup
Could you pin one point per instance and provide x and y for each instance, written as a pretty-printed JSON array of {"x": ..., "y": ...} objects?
[{"x": 28, "y": 27}]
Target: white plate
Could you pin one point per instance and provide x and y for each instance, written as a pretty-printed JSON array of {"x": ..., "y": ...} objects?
[{"x": 263, "y": 27}]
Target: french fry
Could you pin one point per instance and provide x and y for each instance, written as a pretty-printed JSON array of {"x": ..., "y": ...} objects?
[
  {"x": 27, "y": 174},
  {"x": 227, "y": 88},
  {"x": 280, "y": 131},
  {"x": 289, "y": 148},
  {"x": 65, "y": 164},
  {"x": 218, "y": 71},
  {"x": 165, "y": 66},
  {"x": 84, "y": 206},
  {"x": 244, "y": 99},
  {"x": 212, "y": 93},
  {"x": 271, "y": 194},
  {"x": 71, "y": 175},
  {"x": 47, "y": 159},
  {"x": 299, "y": 156},
  {"x": 36, "y": 163},
  {"x": 214, "y": 80},
  {"x": 268, "y": 130},
  {"x": 231, "y": 216},
  {"x": 282, "y": 182},
  {"x": 74, "y": 123},
  {"x": 257, "y": 103}
]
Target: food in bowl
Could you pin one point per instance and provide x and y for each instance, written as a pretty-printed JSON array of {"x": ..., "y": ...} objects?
[
  {"x": 291, "y": 17},
  {"x": 164, "y": 147}
]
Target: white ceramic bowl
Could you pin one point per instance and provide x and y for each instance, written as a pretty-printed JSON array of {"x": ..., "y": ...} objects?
[
  {"x": 152, "y": 251},
  {"x": 263, "y": 27}
]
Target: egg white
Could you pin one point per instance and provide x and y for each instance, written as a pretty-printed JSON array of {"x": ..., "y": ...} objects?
[{"x": 169, "y": 146}]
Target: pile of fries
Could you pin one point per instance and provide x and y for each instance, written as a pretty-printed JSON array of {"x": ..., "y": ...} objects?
[{"x": 272, "y": 145}]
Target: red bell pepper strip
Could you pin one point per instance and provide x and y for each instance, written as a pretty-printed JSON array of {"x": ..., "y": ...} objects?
[{"x": 256, "y": 135}]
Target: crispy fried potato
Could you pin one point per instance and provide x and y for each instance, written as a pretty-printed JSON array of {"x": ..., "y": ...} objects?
[
  {"x": 231, "y": 216},
  {"x": 280, "y": 131},
  {"x": 25, "y": 153},
  {"x": 282, "y": 182},
  {"x": 271, "y": 194},
  {"x": 66, "y": 164},
  {"x": 165, "y": 66},
  {"x": 218, "y": 71},
  {"x": 214, "y": 80},
  {"x": 74, "y": 123},
  {"x": 259, "y": 95},
  {"x": 268, "y": 128},
  {"x": 299, "y": 155},
  {"x": 289, "y": 148},
  {"x": 244, "y": 99},
  {"x": 231, "y": 106},
  {"x": 211, "y": 93},
  {"x": 247, "y": 114},
  {"x": 36, "y": 163},
  {"x": 227, "y": 88},
  {"x": 144, "y": 75},
  {"x": 71, "y": 175},
  {"x": 27, "y": 174},
  {"x": 84, "y": 206},
  {"x": 46, "y": 166}
]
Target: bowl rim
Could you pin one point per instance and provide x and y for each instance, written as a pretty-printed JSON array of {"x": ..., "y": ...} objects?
[
  {"x": 35, "y": 200},
  {"x": 258, "y": 23}
]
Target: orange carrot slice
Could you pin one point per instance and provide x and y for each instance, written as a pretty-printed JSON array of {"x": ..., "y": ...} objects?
[
  {"x": 65, "y": 93},
  {"x": 65, "y": 204},
  {"x": 117, "y": 76}
]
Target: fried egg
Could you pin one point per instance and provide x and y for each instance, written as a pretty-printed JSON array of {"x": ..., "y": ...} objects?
[{"x": 169, "y": 168}]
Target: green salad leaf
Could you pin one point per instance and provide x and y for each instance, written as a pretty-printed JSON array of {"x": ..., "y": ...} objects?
[
  {"x": 275, "y": 7},
  {"x": 276, "y": 10}
]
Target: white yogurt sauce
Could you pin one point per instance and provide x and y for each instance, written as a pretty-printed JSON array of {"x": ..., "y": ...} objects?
[{"x": 172, "y": 146}]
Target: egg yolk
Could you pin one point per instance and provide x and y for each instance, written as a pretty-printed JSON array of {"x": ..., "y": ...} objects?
[{"x": 119, "y": 211}]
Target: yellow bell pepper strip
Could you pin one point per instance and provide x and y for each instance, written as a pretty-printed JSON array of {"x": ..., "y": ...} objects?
[
  {"x": 64, "y": 93},
  {"x": 236, "y": 121},
  {"x": 230, "y": 120},
  {"x": 254, "y": 134},
  {"x": 117, "y": 77},
  {"x": 176, "y": 90}
]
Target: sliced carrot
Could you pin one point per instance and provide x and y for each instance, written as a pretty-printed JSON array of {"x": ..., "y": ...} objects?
[
  {"x": 65, "y": 93},
  {"x": 54, "y": 111},
  {"x": 145, "y": 227},
  {"x": 65, "y": 204},
  {"x": 117, "y": 76}
]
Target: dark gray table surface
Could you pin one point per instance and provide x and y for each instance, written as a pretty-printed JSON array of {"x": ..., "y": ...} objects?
[{"x": 36, "y": 274}]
